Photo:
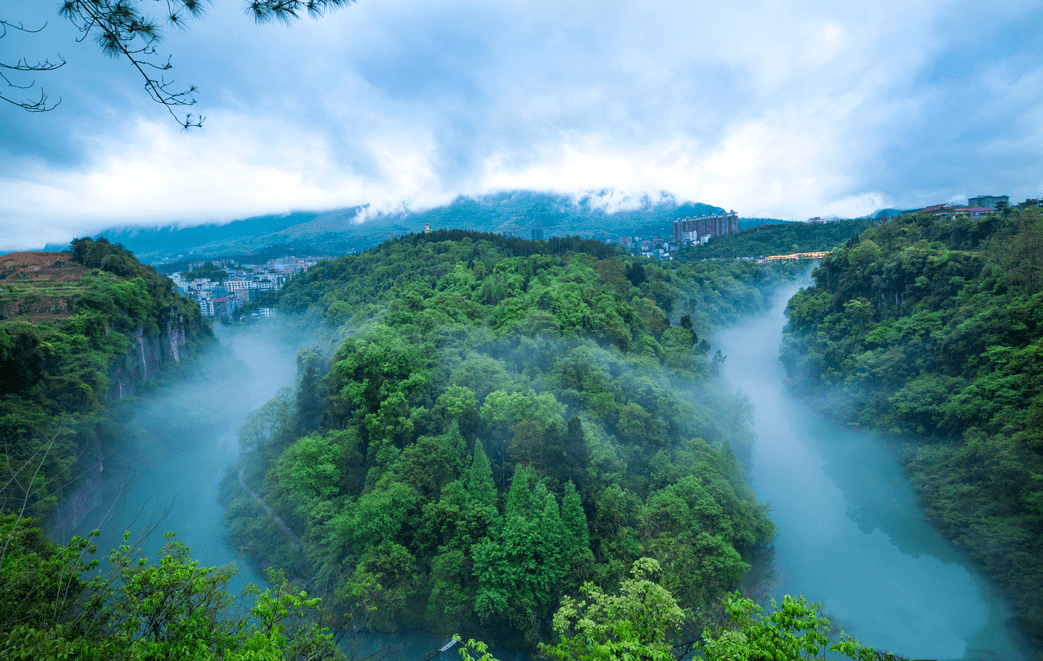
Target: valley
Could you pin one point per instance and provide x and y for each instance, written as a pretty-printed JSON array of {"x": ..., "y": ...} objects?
[{"x": 452, "y": 433}]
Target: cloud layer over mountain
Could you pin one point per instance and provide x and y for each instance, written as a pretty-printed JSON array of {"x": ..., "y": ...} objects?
[{"x": 774, "y": 109}]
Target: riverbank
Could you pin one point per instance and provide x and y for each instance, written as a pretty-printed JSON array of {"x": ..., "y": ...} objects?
[
  {"x": 851, "y": 534},
  {"x": 178, "y": 441}
]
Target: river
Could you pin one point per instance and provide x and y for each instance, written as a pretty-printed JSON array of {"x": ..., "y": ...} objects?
[
  {"x": 850, "y": 532},
  {"x": 182, "y": 439}
]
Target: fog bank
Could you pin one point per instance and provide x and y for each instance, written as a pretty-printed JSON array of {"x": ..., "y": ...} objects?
[{"x": 850, "y": 532}]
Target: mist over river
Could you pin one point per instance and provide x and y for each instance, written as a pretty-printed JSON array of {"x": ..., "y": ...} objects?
[
  {"x": 850, "y": 532},
  {"x": 164, "y": 475}
]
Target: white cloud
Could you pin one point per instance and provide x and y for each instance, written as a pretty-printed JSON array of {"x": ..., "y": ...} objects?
[{"x": 787, "y": 110}]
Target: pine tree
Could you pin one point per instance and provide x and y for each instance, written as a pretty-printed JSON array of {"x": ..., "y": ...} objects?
[
  {"x": 578, "y": 558},
  {"x": 519, "y": 498},
  {"x": 481, "y": 489},
  {"x": 575, "y": 522},
  {"x": 457, "y": 447},
  {"x": 556, "y": 538}
]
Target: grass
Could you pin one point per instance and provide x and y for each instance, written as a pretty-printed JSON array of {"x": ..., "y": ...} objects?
[{"x": 48, "y": 288}]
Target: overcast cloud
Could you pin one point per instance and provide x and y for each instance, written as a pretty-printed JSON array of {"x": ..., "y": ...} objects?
[{"x": 784, "y": 110}]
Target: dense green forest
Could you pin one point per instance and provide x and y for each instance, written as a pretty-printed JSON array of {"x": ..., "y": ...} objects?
[
  {"x": 54, "y": 373},
  {"x": 778, "y": 239},
  {"x": 931, "y": 328},
  {"x": 505, "y": 421},
  {"x": 520, "y": 440}
]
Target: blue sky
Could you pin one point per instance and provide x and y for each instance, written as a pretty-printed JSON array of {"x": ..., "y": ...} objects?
[{"x": 773, "y": 109}]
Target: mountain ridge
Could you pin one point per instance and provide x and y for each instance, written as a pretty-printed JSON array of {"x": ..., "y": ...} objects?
[{"x": 603, "y": 215}]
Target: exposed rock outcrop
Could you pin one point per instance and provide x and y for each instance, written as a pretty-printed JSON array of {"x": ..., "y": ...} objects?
[{"x": 147, "y": 354}]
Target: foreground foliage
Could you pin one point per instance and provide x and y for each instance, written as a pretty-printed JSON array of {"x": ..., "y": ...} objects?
[
  {"x": 642, "y": 622},
  {"x": 632, "y": 624},
  {"x": 51, "y": 608},
  {"x": 932, "y": 329},
  {"x": 794, "y": 630}
]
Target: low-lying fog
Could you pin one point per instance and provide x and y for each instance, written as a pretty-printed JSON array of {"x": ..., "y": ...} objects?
[
  {"x": 850, "y": 532},
  {"x": 178, "y": 443}
]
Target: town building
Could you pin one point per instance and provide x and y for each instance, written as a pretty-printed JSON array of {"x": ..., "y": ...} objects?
[
  {"x": 700, "y": 229},
  {"x": 975, "y": 212},
  {"x": 244, "y": 284},
  {"x": 206, "y": 306},
  {"x": 226, "y": 306},
  {"x": 988, "y": 201}
]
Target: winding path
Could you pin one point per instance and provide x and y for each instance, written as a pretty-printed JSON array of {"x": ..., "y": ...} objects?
[{"x": 295, "y": 541}]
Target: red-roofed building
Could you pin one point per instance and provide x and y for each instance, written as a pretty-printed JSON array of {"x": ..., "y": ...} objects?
[
  {"x": 935, "y": 208},
  {"x": 976, "y": 212}
]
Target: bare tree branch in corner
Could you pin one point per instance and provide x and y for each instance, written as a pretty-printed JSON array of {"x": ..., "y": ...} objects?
[
  {"x": 23, "y": 65},
  {"x": 123, "y": 30}
]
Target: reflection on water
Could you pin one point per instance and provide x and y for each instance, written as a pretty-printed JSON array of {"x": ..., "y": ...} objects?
[{"x": 850, "y": 532}]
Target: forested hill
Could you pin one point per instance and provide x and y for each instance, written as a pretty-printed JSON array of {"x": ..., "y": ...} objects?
[
  {"x": 354, "y": 229},
  {"x": 778, "y": 239},
  {"x": 932, "y": 328},
  {"x": 505, "y": 420},
  {"x": 67, "y": 324}
]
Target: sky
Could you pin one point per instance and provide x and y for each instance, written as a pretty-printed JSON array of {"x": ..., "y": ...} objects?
[{"x": 773, "y": 109}]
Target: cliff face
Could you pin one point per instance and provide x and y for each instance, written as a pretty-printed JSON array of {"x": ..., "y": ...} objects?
[{"x": 147, "y": 354}]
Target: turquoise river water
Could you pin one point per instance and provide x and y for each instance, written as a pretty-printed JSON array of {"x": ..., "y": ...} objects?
[{"x": 851, "y": 534}]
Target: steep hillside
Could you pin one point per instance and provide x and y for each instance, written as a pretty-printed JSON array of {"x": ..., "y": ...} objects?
[
  {"x": 931, "y": 328},
  {"x": 78, "y": 331}
]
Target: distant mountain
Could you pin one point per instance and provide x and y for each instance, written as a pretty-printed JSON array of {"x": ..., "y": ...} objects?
[
  {"x": 602, "y": 215},
  {"x": 885, "y": 213},
  {"x": 171, "y": 239}
]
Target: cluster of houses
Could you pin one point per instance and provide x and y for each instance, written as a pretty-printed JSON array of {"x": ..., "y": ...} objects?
[
  {"x": 653, "y": 246},
  {"x": 245, "y": 283},
  {"x": 976, "y": 207},
  {"x": 688, "y": 230}
]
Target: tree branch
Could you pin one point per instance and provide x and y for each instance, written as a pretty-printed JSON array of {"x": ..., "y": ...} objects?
[
  {"x": 123, "y": 31},
  {"x": 23, "y": 65},
  {"x": 286, "y": 11}
]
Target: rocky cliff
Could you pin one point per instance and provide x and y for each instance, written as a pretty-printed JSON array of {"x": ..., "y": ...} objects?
[{"x": 148, "y": 354}]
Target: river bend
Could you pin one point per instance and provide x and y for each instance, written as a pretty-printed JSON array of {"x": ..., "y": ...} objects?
[{"x": 851, "y": 534}]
